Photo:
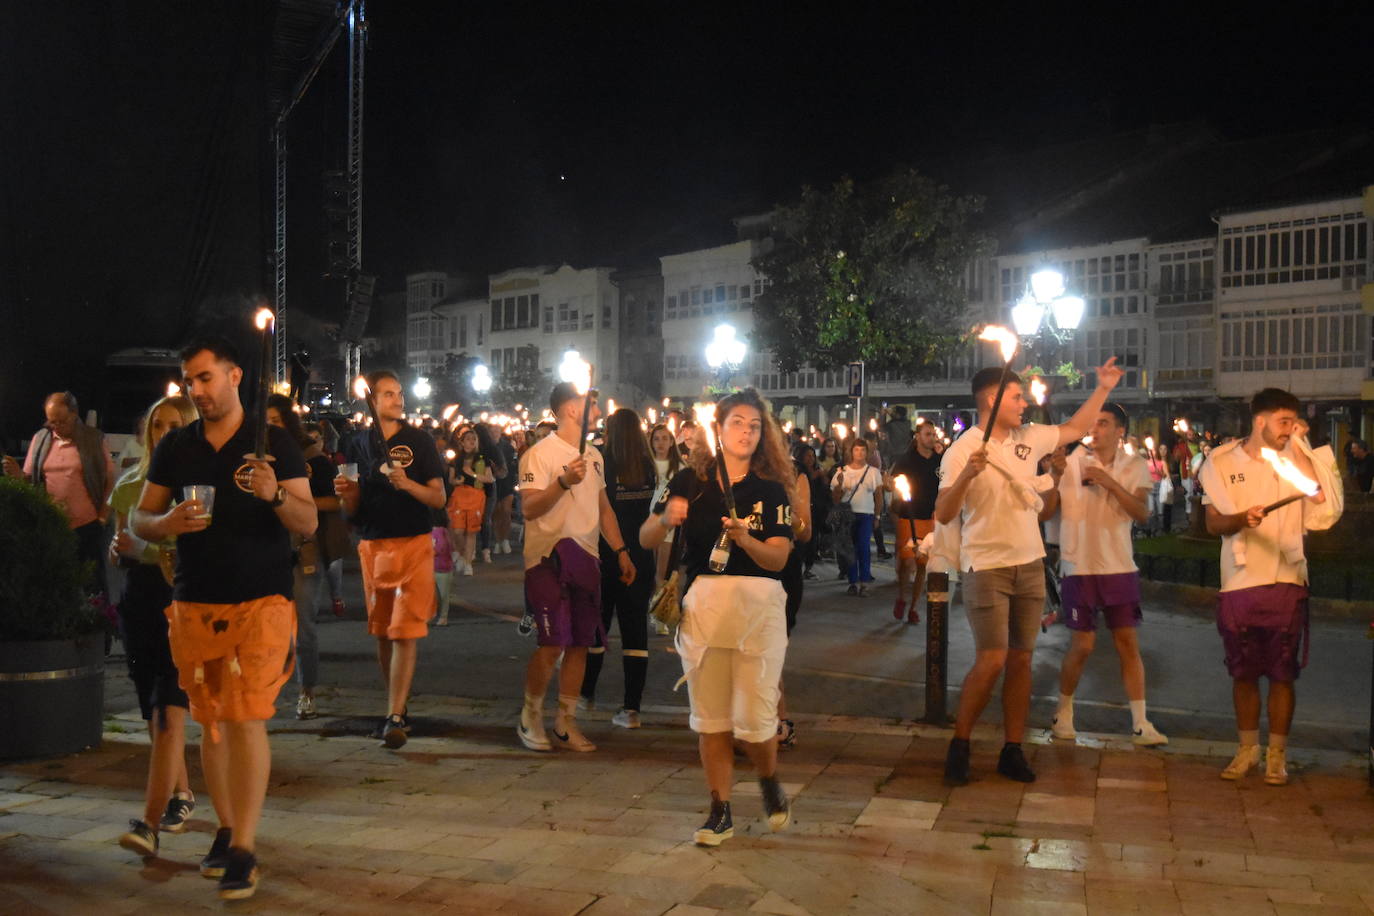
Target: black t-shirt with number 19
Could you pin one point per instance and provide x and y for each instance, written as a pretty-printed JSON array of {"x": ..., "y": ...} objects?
[
  {"x": 762, "y": 503},
  {"x": 246, "y": 552}
]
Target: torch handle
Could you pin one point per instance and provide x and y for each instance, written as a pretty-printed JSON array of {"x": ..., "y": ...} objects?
[
  {"x": 727, "y": 491},
  {"x": 997, "y": 401},
  {"x": 1285, "y": 501}
]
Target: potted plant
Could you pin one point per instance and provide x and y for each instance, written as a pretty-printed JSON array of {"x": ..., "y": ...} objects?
[{"x": 52, "y": 636}]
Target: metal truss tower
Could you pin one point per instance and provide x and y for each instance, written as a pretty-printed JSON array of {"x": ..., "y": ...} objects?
[{"x": 358, "y": 288}]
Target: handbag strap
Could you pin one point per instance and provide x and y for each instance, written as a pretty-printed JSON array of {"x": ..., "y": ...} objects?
[{"x": 857, "y": 485}]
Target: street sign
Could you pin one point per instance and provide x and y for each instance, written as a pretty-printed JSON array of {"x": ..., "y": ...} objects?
[{"x": 854, "y": 379}]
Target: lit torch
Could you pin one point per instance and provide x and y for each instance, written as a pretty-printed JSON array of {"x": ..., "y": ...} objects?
[
  {"x": 842, "y": 430},
  {"x": 173, "y": 389},
  {"x": 363, "y": 392},
  {"x": 1287, "y": 470},
  {"x": 265, "y": 320},
  {"x": 903, "y": 487},
  {"x": 652, "y": 415},
  {"x": 1007, "y": 343},
  {"x": 578, "y": 371},
  {"x": 1150, "y": 450},
  {"x": 448, "y": 412},
  {"x": 706, "y": 420}
]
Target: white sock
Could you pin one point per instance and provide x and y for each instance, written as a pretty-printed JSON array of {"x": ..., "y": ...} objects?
[
  {"x": 567, "y": 706},
  {"x": 1065, "y": 712},
  {"x": 1249, "y": 738},
  {"x": 1277, "y": 742},
  {"x": 534, "y": 702},
  {"x": 1137, "y": 714}
]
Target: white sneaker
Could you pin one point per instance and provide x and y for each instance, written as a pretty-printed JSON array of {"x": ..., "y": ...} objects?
[
  {"x": 531, "y": 731},
  {"x": 584, "y": 704},
  {"x": 486, "y": 556},
  {"x": 626, "y": 718},
  {"x": 1063, "y": 730},
  {"x": 569, "y": 736},
  {"x": 503, "y": 547},
  {"x": 1276, "y": 766},
  {"x": 1148, "y": 736},
  {"x": 467, "y": 569},
  {"x": 305, "y": 707},
  {"x": 1244, "y": 761}
]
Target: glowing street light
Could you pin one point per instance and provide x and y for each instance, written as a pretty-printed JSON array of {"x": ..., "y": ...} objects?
[
  {"x": 481, "y": 378},
  {"x": 421, "y": 389},
  {"x": 725, "y": 351}
]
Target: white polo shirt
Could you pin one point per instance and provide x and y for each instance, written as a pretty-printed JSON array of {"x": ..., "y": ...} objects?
[
  {"x": 998, "y": 528},
  {"x": 577, "y": 513},
  {"x": 1094, "y": 528},
  {"x": 1232, "y": 482}
]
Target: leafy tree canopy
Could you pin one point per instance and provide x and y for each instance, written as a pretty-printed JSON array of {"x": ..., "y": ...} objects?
[
  {"x": 869, "y": 272},
  {"x": 523, "y": 383}
]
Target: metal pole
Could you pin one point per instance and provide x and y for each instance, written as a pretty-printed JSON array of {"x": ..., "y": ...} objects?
[
  {"x": 937, "y": 648},
  {"x": 1371, "y": 720},
  {"x": 279, "y": 253}
]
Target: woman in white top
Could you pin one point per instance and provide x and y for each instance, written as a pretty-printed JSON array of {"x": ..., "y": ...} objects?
[
  {"x": 856, "y": 483},
  {"x": 667, "y": 462}
]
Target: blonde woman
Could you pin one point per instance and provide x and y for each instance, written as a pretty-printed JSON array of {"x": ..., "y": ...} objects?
[{"x": 167, "y": 800}]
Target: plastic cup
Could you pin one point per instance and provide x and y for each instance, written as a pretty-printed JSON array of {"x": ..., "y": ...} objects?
[
  {"x": 203, "y": 492},
  {"x": 348, "y": 471}
]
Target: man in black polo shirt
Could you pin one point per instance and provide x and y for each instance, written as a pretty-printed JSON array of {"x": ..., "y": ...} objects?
[
  {"x": 231, "y": 622},
  {"x": 400, "y": 483},
  {"x": 913, "y": 520}
]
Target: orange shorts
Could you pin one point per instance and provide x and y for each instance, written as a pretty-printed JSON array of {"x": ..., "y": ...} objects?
[
  {"x": 465, "y": 508},
  {"x": 233, "y": 659},
  {"x": 909, "y": 534},
  {"x": 398, "y": 585}
]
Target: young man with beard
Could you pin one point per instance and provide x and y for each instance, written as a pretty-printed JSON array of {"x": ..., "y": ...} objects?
[
  {"x": 989, "y": 487},
  {"x": 1262, "y": 605},
  {"x": 231, "y": 621},
  {"x": 1100, "y": 491},
  {"x": 399, "y": 483}
]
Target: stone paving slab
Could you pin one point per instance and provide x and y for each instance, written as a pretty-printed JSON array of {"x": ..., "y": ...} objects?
[{"x": 463, "y": 820}]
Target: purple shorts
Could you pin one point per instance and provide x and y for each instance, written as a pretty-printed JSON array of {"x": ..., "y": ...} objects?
[
  {"x": 1262, "y": 630},
  {"x": 1117, "y": 595},
  {"x": 563, "y": 590}
]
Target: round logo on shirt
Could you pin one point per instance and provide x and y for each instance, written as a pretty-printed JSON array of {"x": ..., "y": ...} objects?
[
  {"x": 241, "y": 478},
  {"x": 401, "y": 456}
]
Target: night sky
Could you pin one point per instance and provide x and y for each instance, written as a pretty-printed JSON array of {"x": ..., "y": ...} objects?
[{"x": 136, "y": 179}]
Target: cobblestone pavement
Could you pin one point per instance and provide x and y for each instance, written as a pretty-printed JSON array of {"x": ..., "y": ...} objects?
[{"x": 463, "y": 820}]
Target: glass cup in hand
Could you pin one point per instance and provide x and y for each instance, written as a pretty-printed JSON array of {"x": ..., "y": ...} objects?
[
  {"x": 349, "y": 472},
  {"x": 203, "y": 493}
]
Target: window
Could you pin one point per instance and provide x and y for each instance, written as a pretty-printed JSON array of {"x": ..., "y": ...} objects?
[
  {"x": 496, "y": 314},
  {"x": 509, "y": 310},
  {"x": 720, "y": 292},
  {"x": 548, "y": 319},
  {"x": 605, "y": 316},
  {"x": 696, "y": 295},
  {"x": 462, "y": 332},
  {"x": 480, "y": 320},
  {"x": 522, "y": 311}
]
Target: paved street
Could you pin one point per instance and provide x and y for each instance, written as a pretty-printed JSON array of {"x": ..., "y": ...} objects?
[{"x": 464, "y": 820}]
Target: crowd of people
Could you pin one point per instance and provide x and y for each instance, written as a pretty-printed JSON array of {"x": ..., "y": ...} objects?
[{"x": 230, "y": 549}]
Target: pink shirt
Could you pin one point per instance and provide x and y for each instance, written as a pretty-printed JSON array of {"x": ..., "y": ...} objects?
[{"x": 64, "y": 481}]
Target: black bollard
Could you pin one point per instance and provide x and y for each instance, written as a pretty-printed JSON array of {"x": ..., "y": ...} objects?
[
  {"x": 937, "y": 647},
  {"x": 1371, "y": 720}
]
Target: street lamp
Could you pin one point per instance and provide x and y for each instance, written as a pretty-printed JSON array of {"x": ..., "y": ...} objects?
[
  {"x": 1044, "y": 303},
  {"x": 725, "y": 353},
  {"x": 481, "y": 378},
  {"x": 421, "y": 388}
]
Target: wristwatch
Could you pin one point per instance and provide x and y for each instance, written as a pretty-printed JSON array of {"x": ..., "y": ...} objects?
[{"x": 279, "y": 498}]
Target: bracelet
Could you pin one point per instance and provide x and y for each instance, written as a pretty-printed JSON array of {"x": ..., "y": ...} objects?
[
  {"x": 622, "y": 549},
  {"x": 559, "y": 478}
]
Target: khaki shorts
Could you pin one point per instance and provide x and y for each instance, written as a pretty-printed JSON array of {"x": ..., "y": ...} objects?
[
  {"x": 398, "y": 585},
  {"x": 1005, "y": 604},
  {"x": 233, "y": 658}
]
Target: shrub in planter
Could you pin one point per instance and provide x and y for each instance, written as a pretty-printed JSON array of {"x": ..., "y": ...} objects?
[{"x": 52, "y": 638}]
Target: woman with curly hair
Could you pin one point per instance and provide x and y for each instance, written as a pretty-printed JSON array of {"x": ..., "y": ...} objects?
[{"x": 733, "y": 637}]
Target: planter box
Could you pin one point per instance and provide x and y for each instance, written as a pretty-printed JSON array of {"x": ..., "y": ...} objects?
[{"x": 52, "y": 696}]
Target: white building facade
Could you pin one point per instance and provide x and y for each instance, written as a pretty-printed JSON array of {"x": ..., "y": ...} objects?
[{"x": 425, "y": 329}]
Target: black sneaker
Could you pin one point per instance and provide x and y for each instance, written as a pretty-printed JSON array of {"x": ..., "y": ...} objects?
[
  {"x": 852, "y": 590},
  {"x": 140, "y": 839},
  {"x": 240, "y": 877},
  {"x": 718, "y": 827},
  {"x": 956, "y": 763},
  {"x": 217, "y": 859},
  {"x": 775, "y": 804},
  {"x": 179, "y": 811},
  {"x": 394, "y": 732},
  {"x": 1012, "y": 764},
  {"x": 787, "y": 734}
]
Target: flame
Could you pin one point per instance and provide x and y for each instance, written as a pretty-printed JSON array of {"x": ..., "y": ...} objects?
[
  {"x": 448, "y": 412},
  {"x": 903, "y": 487},
  {"x": 1150, "y": 444},
  {"x": 813, "y": 430},
  {"x": 787, "y": 427},
  {"x": 282, "y": 387},
  {"x": 666, "y": 402},
  {"x": 873, "y": 424},
  {"x": 644, "y": 425},
  {"x": 1289, "y": 472},
  {"x": 576, "y": 370},
  {"x": 263, "y": 317},
  {"x": 1005, "y": 340},
  {"x": 1181, "y": 425},
  {"x": 672, "y": 426},
  {"x": 173, "y": 389},
  {"x": 652, "y": 415},
  {"x": 360, "y": 389},
  {"x": 1128, "y": 448},
  {"x": 842, "y": 430},
  {"x": 450, "y": 454},
  {"x": 483, "y": 416},
  {"x": 1038, "y": 390},
  {"x": 705, "y": 414},
  {"x": 610, "y": 406}
]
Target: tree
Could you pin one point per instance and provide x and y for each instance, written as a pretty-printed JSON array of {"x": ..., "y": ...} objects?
[
  {"x": 452, "y": 383},
  {"x": 523, "y": 383},
  {"x": 869, "y": 272}
]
